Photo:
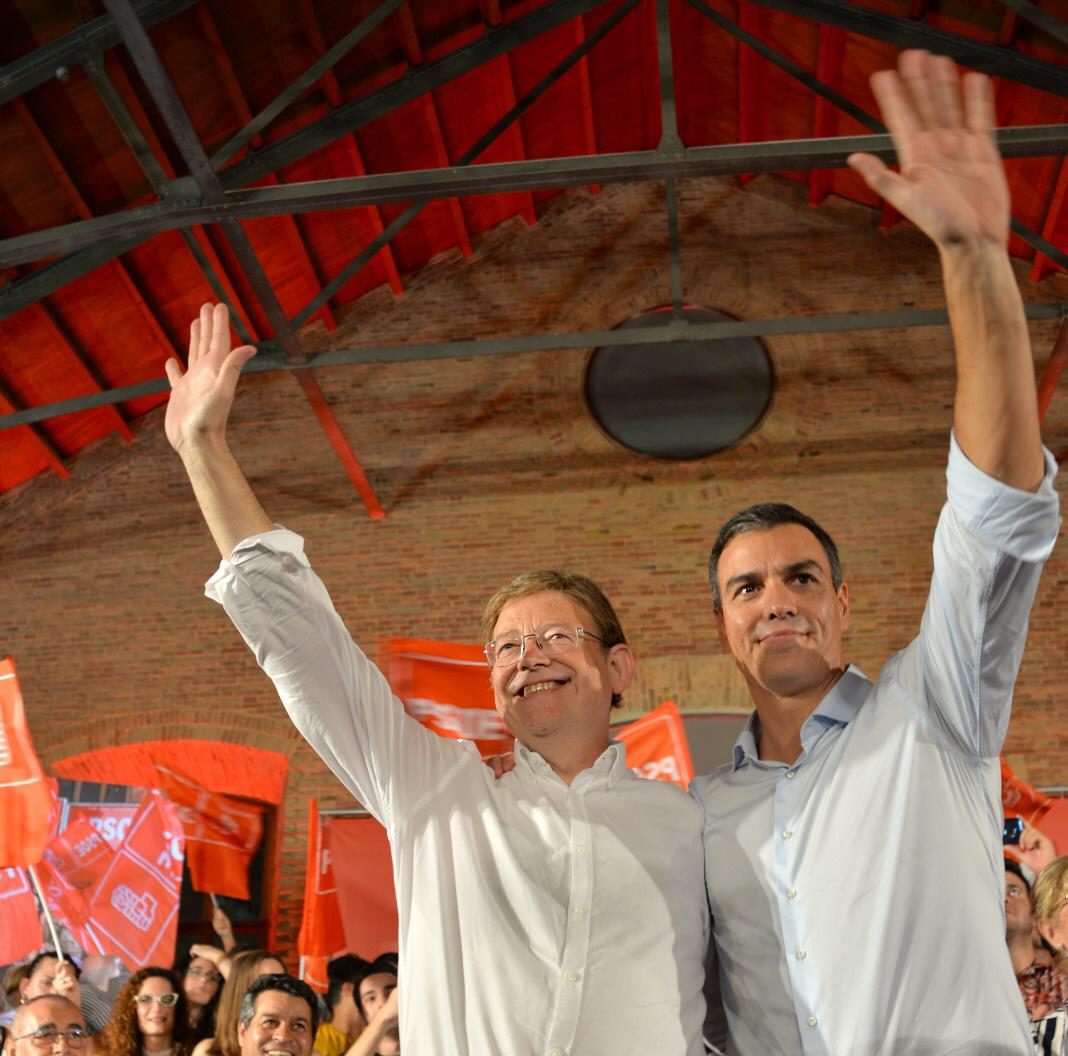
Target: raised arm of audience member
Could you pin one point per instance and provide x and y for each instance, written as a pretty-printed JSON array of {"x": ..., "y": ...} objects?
[
  {"x": 222, "y": 927},
  {"x": 1036, "y": 850},
  {"x": 381, "y": 1037}
]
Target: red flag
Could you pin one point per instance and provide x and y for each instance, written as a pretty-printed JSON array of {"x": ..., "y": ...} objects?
[
  {"x": 25, "y": 797},
  {"x": 447, "y": 688},
  {"x": 20, "y": 927},
  {"x": 657, "y": 746},
  {"x": 1019, "y": 799},
  {"x": 363, "y": 870},
  {"x": 321, "y": 937},
  {"x": 134, "y": 905},
  {"x": 221, "y": 834}
]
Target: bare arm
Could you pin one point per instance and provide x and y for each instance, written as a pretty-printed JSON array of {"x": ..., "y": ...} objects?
[
  {"x": 952, "y": 186},
  {"x": 197, "y": 413},
  {"x": 383, "y": 1021}
]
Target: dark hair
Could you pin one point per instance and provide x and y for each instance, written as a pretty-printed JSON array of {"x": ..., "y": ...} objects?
[
  {"x": 383, "y": 964},
  {"x": 578, "y": 588},
  {"x": 761, "y": 518},
  {"x": 204, "y": 1026},
  {"x": 43, "y": 956},
  {"x": 122, "y": 1035},
  {"x": 1013, "y": 867},
  {"x": 286, "y": 984},
  {"x": 341, "y": 970}
]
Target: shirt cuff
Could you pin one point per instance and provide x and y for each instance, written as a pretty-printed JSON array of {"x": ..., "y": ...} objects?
[
  {"x": 279, "y": 541},
  {"x": 1021, "y": 523}
]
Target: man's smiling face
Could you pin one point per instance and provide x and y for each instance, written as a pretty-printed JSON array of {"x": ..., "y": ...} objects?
[
  {"x": 569, "y": 692},
  {"x": 782, "y": 617}
]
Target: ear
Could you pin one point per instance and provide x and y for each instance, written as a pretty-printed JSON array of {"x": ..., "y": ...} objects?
[
  {"x": 621, "y": 666},
  {"x": 240, "y": 1031},
  {"x": 24, "y": 985},
  {"x": 1049, "y": 932},
  {"x": 843, "y": 603}
]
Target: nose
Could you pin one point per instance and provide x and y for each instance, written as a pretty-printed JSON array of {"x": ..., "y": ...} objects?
[
  {"x": 533, "y": 654},
  {"x": 779, "y": 603}
]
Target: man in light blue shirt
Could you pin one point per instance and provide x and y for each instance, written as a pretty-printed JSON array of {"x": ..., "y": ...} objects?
[{"x": 853, "y": 862}]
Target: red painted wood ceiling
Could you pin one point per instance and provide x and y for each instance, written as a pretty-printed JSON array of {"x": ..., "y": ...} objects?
[{"x": 62, "y": 158}]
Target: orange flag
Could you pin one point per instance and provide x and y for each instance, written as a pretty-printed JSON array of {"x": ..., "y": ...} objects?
[
  {"x": 364, "y": 877},
  {"x": 221, "y": 834},
  {"x": 1019, "y": 799},
  {"x": 25, "y": 797},
  {"x": 20, "y": 927},
  {"x": 657, "y": 746},
  {"x": 447, "y": 688},
  {"x": 321, "y": 937}
]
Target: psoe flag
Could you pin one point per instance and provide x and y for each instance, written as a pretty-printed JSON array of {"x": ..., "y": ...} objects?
[
  {"x": 321, "y": 935},
  {"x": 446, "y": 686},
  {"x": 25, "y": 797},
  {"x": 20, "y": 927},
  {"x": 657, "y": 747}
]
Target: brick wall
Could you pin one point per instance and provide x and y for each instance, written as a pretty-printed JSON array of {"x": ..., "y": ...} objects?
[{"x": 488, "y": 466}]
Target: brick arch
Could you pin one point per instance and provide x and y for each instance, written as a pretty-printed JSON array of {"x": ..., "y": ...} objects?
[{"x": 233, "y": 769}]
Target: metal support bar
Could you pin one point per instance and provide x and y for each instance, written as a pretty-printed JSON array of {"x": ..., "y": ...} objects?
[
  {"x": 1042, "y": 19},
  {"x": 669, "y": 130},
  {"x": 468, "y": 156},
  {"x": 1053, "y": 214},
  {"x": 721, "y": 160},
  {"x": 313, "y": 73},
  {"x": 38, "y": 436},
  {"x": 410, "y": 87},
  {"x": 76, "y": 47},
  {"x": 671, "y": 193},
  {"x": 904, "y": 33},
  {"x": 808, "y": 324}
]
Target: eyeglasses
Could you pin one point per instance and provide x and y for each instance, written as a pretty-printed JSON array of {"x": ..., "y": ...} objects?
[
  {"x": 204, "y": 973},
  {"x": 47, "y": 1037},
  {"x": 551, "y": 639},
  {"x": 164, "y": 999}
]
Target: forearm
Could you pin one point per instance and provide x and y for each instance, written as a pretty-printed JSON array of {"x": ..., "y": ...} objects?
[
  {"x": 229, "y": 505},
  {"x": 996, "y": 406},
  {"x": 370, "y": 1038}
]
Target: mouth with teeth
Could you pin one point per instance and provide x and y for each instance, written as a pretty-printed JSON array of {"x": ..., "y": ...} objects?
[{"x": 533, "y": 688}]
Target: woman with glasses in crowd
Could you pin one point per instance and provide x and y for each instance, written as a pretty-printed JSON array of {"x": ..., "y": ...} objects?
[
  {"x": 243, "y": 968},
  {"x": 201, "y": 985},
  {"x": 148, "y": 1018}
]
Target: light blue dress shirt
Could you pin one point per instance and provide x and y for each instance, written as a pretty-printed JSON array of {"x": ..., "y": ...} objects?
[{"x": 857, "y": 893}]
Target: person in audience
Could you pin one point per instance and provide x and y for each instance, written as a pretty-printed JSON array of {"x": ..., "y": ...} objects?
[
  {"x": 378, "y": 997},
  {"x": 1049, "y": 897},
  {"x": 345, "y": 1020},
  {"x": 42, "y": 1024},
  {"x": 201, "y": 983},
  {"x": 244, "y": 968},
  {"x": 47, "y": 974},
  {"x": 149, "y": 1017},
  {"x": 279, "y": 1016}
]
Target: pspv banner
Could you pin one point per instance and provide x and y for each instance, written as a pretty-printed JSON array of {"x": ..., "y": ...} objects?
[{"x": 657, "y": 746}]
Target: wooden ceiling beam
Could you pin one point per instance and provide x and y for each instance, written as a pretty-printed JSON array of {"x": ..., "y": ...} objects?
[
  {"x": 747, "y": 81},
  {"x": 829, "y": 62},
  {"x": 1042, "y": 265},
  {"x": 589, "y": 124},
  {"x": 506, "y": 85},
  {"x": 310, "y": 24},
  {"x": 38, "y": 437}
]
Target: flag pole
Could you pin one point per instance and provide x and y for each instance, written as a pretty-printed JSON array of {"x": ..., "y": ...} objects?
[{"x": 47, "y": 912}]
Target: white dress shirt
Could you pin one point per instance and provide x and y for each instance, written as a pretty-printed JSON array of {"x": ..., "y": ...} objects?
[
  {"x": 536, "y": 918},
  {"x": 857, "y": 893}
]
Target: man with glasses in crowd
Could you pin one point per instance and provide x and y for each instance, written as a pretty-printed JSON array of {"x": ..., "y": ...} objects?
[
  {"x": 46, "y": 1025},
  {"x": 558, "y": 910}
]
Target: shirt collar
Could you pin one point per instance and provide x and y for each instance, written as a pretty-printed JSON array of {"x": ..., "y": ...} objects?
[
  {"x": 609, "y": 768},
  {"x": 837, "y": 708}
]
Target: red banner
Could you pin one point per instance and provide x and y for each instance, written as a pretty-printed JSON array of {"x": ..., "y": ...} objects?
[
  {"x": 1021, "y": 800},
  {"x": 25, "y": 796},
  {"x": 657, "y": 746},
  {"x": 20, "y": 927},
  {"x": 363, "y": 871},
  {"x": 321, "y": 937},
  {"x": 133, "y": 908},
  {"x": 447, "y": 688},
  {"x": 221, "y": 834}
]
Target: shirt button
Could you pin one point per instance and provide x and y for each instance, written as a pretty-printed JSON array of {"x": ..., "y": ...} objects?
[
  {"x": 812, "y": 1021},
  {"x": 579, "y": 911},
  {"x": 801, "y": 955},
  {"x": 789, "y": 775},
  {"x": 572, "y": 977},
  {"x": 580, "y": 848},
  {"x": 786, "y": 834},
  {"x": 557, "y": 1052},
  {"x": 792, "y": 893}
]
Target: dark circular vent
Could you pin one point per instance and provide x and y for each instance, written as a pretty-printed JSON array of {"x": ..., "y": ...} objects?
[{"x": 680, "y": 399}]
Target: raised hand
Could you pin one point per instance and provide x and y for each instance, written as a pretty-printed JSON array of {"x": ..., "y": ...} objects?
[
  {"x": 201, "y": 397},
  {"x": 952, "y": 182}
]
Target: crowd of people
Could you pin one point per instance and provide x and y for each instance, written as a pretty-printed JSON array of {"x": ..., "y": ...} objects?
[{"x": 213, "y": 1002}]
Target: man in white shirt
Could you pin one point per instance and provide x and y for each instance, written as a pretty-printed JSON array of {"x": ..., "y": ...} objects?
[
  {"x": 558, "y": 910},
  {"x": 854, "y": 864}
]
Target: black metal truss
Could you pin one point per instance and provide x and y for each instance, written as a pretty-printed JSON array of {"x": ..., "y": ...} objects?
[
  {"x": 1041, "y": 19},
  {"x": 269, "y": 360},
  {"x": 992, "y": 59}
]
